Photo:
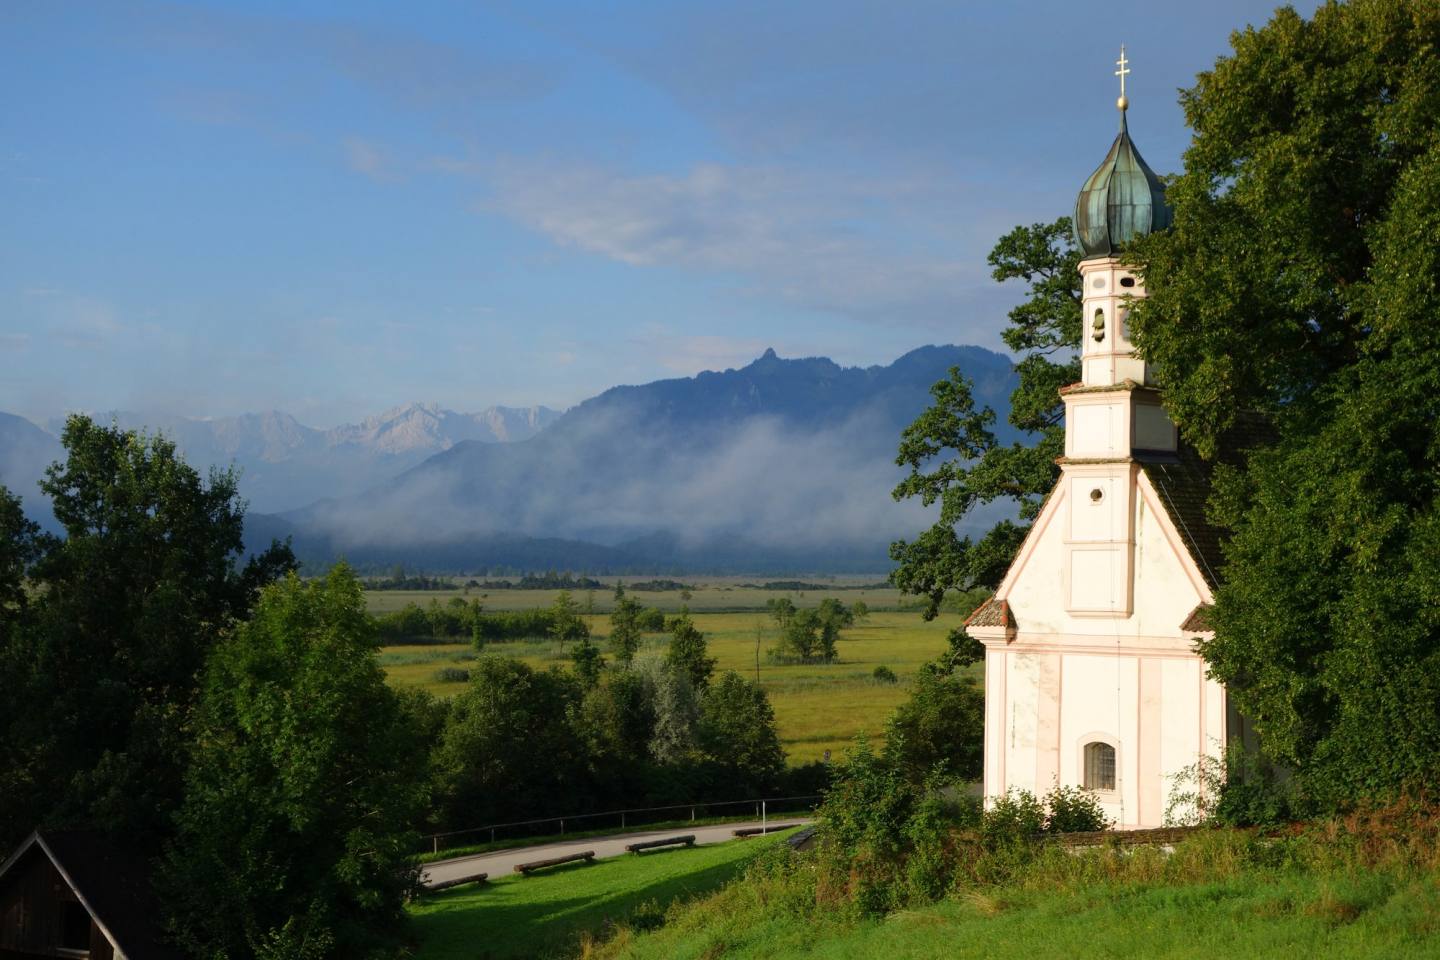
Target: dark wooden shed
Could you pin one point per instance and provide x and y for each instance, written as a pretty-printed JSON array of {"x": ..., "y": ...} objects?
[{"x": 77, "y": 895}]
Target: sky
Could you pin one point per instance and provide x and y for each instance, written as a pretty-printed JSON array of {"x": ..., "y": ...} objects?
[{"x": 332, "y": 208}]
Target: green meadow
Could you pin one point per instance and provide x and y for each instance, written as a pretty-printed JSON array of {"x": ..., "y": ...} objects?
[
  {"x": 818, "y": 707},
  {"x": 560, "y": 912}
]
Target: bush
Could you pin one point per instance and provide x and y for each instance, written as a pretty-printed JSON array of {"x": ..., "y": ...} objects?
[
  {"x": 941, "y": 724},
  {"x": 883, "y": 674},
  {"x": 1019, "y": 815},
  {"x": 650, "y": 620},
  {"x": 452, "y": 675}
]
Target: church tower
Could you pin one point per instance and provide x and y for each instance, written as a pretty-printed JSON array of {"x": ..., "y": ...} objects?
[{"x": 1091, "y": 678}]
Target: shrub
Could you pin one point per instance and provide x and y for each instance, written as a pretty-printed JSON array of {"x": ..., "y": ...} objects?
[
  {"x": 650, "y": 620},
  {"x": 941, "y": 724},
  {"x": 1073, "y": 810},
  {"x": 883, "y": 674},
  {"x": 452, "y": 675}
]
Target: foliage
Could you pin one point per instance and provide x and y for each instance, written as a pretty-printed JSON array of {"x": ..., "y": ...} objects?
[
  {"x": 1301, "y": 279},
  {"x": 781, "y": 609},
  {"x": 952, "y": 454},
  {"x": 102, "y": 673},
  {"x": 1237, "y": 789},
  {"x": 304, "y": 781},
  {"x": 941, "y": 726},
  {"x": 1020, "y": 816},
  {"x": 588, "y": 661},
  {"x": 883, "y": 674},
  {"x": 808, "y": 636},
  {"x": 687, "y": 653},
  {"x": 650, "y": 620},
  {"x": 21, "y": 545},
  {"x": 625, "y": 629},
  {"x": 566, "y": 627},
  {"x": 738, "y": 735},
  {"x": 506, "y": 746}
]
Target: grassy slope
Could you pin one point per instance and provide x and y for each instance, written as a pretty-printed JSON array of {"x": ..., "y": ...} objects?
[
  {"x": 545, "y": 915},
  {"x": 817, "y": 707},
  {"x": 1365, "y": 916}
]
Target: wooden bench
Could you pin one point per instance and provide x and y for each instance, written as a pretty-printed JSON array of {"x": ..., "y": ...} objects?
[
  {"x": 447, "y": 884},
  {"x": 688, "y": 840},
  {"x": 756, "y": 831},
  {"x": 553, "y": 862}
]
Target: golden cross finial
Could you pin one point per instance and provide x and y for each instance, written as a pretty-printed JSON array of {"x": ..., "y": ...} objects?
[{"x": 1122, "y": 73}]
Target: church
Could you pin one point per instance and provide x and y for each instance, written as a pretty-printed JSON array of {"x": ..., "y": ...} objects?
[{"x": 1091, "y": 676}]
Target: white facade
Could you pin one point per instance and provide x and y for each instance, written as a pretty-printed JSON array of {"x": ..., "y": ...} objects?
[{"x": 1090, "y": 678}]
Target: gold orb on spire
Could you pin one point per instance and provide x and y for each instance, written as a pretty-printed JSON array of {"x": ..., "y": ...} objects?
[{"x": 1124, "y": 102}]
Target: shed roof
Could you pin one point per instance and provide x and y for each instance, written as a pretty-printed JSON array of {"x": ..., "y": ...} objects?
[{"x": 113, "y": 883}]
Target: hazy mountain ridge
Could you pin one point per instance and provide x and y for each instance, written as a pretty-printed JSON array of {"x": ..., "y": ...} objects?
[
  {"x": 283, "y": 463},
  {"x": 782, "y": 464}
]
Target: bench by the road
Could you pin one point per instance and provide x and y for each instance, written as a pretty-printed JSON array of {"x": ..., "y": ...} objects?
[
  {"x": 767, "y": 828},
  {"x": 688, "y": 840},
  {"x": 504, "y": 861},
  {"x": 532, "y": 865}
]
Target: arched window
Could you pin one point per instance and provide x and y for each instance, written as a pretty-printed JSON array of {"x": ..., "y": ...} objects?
[{"x": 1099, "y": 766}]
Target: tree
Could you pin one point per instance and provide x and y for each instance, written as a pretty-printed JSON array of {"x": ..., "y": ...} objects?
[
  {"x": 21, "y": 545},
  {"x": 952, "y": 454},
  {"x": 809, "y": 637},
  {"x": 687, "y": 652},
  {"x": 508, "y": 750},
  {"x": 1300, "y": 279},
  {"x": 625, "y": 629},
  {"x": 942, "y": 724},
  {"x": 101, "y": 681},
  {"x": 305, "y": 780},
  {"x": 588, "y": 662},
  {"x": 566, "y": 627},
  {"x": 738, "y": 734},
  {"x": 781, "y": 609}
]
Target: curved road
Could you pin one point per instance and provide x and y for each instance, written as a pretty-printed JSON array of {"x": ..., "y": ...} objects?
[{"x": 502, "y": 862}]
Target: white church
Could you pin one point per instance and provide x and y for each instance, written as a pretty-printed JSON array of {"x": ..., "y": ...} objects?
[{"x": 1091, "y": 678}]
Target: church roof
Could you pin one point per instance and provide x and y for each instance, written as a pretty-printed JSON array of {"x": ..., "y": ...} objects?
[
  {"x": 991, "y": 613},
  {"x": 1183, "y": 482},
  {"x": 1122, "y": 200},
  {"x": 1199, "y": 620}
]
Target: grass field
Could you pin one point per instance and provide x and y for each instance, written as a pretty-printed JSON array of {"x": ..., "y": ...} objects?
[
  {"x": 1373, "y": 915},
  {"x": 712, "y": 594},
  {"x": 546, "y": 915},
  {"x": 817, "y": 707}
]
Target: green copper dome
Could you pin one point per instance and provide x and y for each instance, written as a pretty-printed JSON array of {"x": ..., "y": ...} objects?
[{"x": 1122, "y": 200}]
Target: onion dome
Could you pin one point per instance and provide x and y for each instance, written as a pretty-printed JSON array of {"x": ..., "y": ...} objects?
[{"x": 1122, "y": 200}]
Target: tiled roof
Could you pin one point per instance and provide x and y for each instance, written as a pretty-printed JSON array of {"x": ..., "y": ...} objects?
[
  {"x": 1199, "y": 620},
  {"x": 1183, "y": 482},
  {"x": 991, "y": 613}
]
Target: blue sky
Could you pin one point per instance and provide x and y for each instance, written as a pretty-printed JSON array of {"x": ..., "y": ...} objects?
[{"x": 334, "y": 207}]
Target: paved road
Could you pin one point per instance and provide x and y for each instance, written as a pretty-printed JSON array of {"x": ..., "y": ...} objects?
[{"x": 502, "y": 862}]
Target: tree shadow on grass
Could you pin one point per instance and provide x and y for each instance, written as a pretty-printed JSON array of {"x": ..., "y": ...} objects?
[{"x": 520, "y": 918}]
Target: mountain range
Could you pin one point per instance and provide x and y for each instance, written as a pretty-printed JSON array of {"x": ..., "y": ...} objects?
[
  {"x": 284, "y": 464},
  {"x": 781, "y": 465}
]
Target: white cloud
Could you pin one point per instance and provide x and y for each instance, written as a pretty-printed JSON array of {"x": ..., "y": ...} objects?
[{"x": 822, "y": 241}]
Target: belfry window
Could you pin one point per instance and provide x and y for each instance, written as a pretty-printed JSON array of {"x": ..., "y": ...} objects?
[{"x": 1099, "y": 766}]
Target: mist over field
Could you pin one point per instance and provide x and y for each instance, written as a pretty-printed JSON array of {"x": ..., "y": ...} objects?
[{"x": 781, "y": 464}]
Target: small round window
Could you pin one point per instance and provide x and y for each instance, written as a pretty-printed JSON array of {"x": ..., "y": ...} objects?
[
  {"x": 1097, "y": 495},
  {"x": 1127, "y": 281}
]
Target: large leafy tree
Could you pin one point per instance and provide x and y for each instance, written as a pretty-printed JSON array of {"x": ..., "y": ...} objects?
[
  {"x": 295, "y": 838},
  {"x": 1301, "y": 278},
  {"x": 101, "y": 676},
  {"x": 952, "y": 455}
]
